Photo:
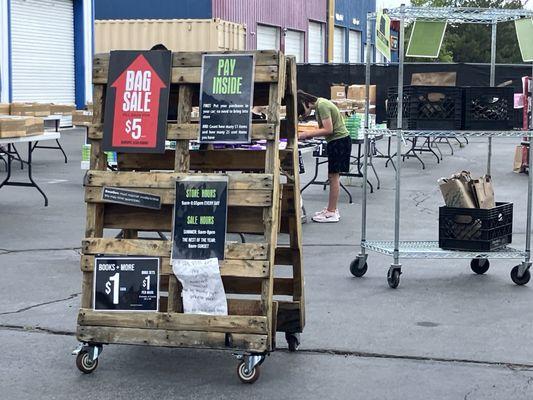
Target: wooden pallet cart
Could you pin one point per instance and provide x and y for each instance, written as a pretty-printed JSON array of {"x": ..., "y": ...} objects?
[{"x": 263, "y": 202}]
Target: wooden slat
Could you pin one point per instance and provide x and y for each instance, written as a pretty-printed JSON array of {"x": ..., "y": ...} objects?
[
  {"x": 192, "y": 75},
  {"x": 167, "y": 180},
  {"x": 166, "y": 338},
  {"x": 242, "y": 219},
  {"x": 249, "y": 198},
  {"x": 162, "y": 248},
  {"x": 194, "y": 59},
  {"x": 237, "y": 268},
  {"x": 201, "y": 160},
  {"x": 191, "y": 131},
  {"x": 237, "y": 285},
  {"x": 174, "y": 321}
]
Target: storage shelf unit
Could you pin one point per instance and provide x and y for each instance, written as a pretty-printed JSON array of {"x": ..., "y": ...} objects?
[
  {"x": 449, "y": 134},
  {"x": 431, "y": 250},
  {"x": 427, "y": 249}
]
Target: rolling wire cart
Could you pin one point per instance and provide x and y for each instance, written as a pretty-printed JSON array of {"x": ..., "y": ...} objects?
[{"x": 430, "y": 249}]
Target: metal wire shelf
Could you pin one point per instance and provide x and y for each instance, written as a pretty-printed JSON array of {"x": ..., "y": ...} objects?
[
  {"x": 456, "y": 15},
  {"x": 431, "y": 250},
  {"x": 486, "y": 134}
]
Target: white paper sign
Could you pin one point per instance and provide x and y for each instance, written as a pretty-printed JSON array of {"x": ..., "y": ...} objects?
[{"x": 203, "y": 291}]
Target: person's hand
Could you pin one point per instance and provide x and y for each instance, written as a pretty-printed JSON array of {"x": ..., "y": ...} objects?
[{"x": 302, "y": 135}]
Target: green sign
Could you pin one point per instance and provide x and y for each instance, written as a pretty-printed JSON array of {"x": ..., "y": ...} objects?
[
  {"x": 426, "y": 39},
  {"x": 383, "y": 37},
  {"x": 524, "y": 33}
]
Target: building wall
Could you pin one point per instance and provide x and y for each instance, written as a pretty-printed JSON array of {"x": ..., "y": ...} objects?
[
  {"x": 293, "y": 14},
  {"x": 351, "y": 14},
  {"x": 4, "y": 51},
  {"x": 152, "y": 9},
  {"x": 83, "y": 18}
]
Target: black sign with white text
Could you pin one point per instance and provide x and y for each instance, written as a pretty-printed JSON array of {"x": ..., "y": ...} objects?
[
  {"x": 131, "y": 198},
  {"x": 126, "y": 284},
  {"x": 200, "y": 214},
  {"x": 226, "y": 98}
]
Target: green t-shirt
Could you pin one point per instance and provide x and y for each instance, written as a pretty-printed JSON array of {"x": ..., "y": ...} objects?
[{"x": 326, "y": 109}]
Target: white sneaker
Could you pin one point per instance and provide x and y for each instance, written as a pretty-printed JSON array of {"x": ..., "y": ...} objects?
[
  {"x": 327, "y": 216},
  {"x": 321, "y": 211},
  {"x": 326, "y": 210}
]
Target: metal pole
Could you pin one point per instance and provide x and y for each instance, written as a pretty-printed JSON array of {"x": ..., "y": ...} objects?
[
  {"x": 399, "y": 138},
  {"x": 530, "y": 177},
  {"x": 492, "y": 83},
  {"x": 367, "y": 125}
]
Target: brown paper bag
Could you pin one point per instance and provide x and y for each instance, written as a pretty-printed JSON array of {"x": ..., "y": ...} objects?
[
  {"x": 518, "y": 160},
  {"x": 484, "y": 192},
  {"x": 457, "y": 191}
]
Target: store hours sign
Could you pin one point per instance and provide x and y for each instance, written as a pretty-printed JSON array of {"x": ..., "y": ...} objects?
[
  {"x": 136, "y": 107},
  {"x": 226, "y": 98},
  {"x": 200, "y": 216},
  {"x": 126, "y": 284}
]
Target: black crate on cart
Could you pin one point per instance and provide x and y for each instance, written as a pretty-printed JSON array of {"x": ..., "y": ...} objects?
[
  {"x": 474, "y": 229},
  {"x": 426, "y": 108},
  {"x": 488, "y": 108}
]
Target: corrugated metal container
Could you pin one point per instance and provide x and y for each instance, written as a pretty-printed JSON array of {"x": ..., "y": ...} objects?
[
  {"x": 293, "y": 14},
  {"x": 175, "y": 34},
  {"x": 153, "y": 9}
]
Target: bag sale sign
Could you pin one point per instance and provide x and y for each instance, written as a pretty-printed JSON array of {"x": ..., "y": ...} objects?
[{"x": 137, "y": 101}]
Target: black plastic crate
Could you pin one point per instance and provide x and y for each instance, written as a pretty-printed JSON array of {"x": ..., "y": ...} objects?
[
  {"x": 488, "y": 108},
  {"x": 475, "y": 229},
  {"x": 426, "y": 108}
]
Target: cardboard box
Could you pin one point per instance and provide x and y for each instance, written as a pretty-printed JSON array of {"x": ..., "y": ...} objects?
[
  {"x": 12, "y": 126},
  {"x": 40, "y": 109},
  {"x": 434, "y": 79},
  {"x": 4, "y": 108},
  {"x": 22, "y": 109},
  {"x": 62, "y": 109},
  {"x": 34, "y": 126},
  {"x": 82, "y": 118},
  {"x": 338, "y": 92},
  {"x": 358, "y": 93}
]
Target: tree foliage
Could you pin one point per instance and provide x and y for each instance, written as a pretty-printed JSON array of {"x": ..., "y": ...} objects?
[{"x": 471, "y": 42}]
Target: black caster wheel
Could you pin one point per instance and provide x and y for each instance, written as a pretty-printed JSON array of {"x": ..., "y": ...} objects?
[
  {"x": 393, "y": 278},
  {"x": 356, "y": 269},
  {"x": 480, "y": 265},
  {"x": 293, "y": 341},
  {"x": 520, "y": 281},
  {"x": 84, "y": 363},
  {"x": 246, "y": 376}
]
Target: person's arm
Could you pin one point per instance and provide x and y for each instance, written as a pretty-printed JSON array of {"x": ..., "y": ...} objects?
[{"x": 327, "y": 129}]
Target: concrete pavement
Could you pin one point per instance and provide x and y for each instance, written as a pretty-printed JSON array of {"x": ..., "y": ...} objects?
[{"x": 445, "y": 333}]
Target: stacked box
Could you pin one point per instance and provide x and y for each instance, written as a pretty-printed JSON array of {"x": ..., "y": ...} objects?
[
  {"x": 34, "y": 126},
  {"x": 40, "y": 109},
  {"x": 338, "y": 92},
  {"x": 12, "y": 126},
  {"x": 82, "y": 118},
  {"x": 21, "y": 109},
  {"x": 4, "y": 108},
  {"x": 62, "y": 109}
]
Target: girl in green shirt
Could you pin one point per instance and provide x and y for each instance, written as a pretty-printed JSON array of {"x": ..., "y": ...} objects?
[{"x": 339, "y": 146}]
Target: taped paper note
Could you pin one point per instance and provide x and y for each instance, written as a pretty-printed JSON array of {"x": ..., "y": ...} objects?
[{"x": 203, "y": 291}]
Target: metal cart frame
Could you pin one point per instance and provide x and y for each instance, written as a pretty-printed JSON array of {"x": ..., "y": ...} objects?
[{"x": 429, "y": 249}]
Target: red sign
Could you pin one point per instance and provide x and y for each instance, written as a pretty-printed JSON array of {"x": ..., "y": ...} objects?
[{"x": 140, "y": 102}]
